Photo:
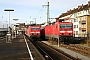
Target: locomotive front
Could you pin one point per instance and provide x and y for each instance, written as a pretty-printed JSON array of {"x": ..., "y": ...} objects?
[
  {"x": 35, "y": 32},
  {"x": 66, "y": 31}
]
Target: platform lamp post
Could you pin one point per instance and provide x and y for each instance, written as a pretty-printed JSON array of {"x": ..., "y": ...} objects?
[
  {"x": 9, "y": 17},
  {"x": 8, "y": 40},
  {"x": 15, "y": 27}
]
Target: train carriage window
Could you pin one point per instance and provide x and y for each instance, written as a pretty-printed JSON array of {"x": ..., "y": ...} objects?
[
  {"x": 62, "y": 25},
  {"x": 65, "y": 25},
  {"x": 69, "y": 25},
  {"x": 35, "y": 28}
]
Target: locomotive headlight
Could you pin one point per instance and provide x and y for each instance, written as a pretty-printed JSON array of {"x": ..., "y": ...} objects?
[
  {"x": 32, "y": 33},
  {"x": 37, "y": 33},
  {"x": 70, "y": 33},
  {"x": 60, "y": 33}
]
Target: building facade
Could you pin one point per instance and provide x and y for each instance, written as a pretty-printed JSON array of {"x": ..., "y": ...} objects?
[{"x": 80, "y": 17}]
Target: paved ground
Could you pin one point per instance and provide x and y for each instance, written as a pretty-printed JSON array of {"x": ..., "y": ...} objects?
[{"x": 17, "y": 50}]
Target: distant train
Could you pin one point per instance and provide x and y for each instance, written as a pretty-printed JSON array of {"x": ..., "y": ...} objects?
[{"x": 33, "y": 32}]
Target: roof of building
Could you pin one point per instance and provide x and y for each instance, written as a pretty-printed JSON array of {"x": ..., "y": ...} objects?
[{"x": 79, "y": 8}]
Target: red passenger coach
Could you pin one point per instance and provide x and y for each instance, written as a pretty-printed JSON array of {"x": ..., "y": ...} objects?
[
  {"x": 61, "y": 30},
  {"x": 33, "y": 32}
]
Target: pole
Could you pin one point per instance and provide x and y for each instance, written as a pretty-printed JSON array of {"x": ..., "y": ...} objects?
[
  {"x": 8, "y": 39},
  {"x": 35, "y": 20},
  {"x": 9, "y": 18},
  {"x": 47, "y": 13},
  {"x": 9, "y": 23}
]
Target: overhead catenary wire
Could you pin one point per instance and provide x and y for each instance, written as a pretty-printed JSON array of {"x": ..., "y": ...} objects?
[{"x": 40, "y": 10}]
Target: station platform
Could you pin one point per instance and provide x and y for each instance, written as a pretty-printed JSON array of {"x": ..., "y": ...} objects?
[
  {"x": 70, "y": 52},
  {"x": 19, "y": 49}
]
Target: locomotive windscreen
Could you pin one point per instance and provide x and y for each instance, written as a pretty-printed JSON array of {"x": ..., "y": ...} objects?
[
  {"x": 65, "y": 25},
  {"x": 35, "y": 28}
]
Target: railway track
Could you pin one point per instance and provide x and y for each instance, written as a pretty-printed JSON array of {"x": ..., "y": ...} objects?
[
  {"x": 78, "y": 48},
  {"x": 2, "y": 36},
  {"x": 50, "y": 53}
]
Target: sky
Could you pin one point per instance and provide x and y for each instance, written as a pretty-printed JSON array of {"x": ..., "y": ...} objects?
[{"x": 29, "y": 10}]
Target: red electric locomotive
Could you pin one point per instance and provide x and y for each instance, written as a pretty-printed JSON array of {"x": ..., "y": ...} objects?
[
  {"x": 33, "y": 32},
  {"x": 61, "y": 30}
]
